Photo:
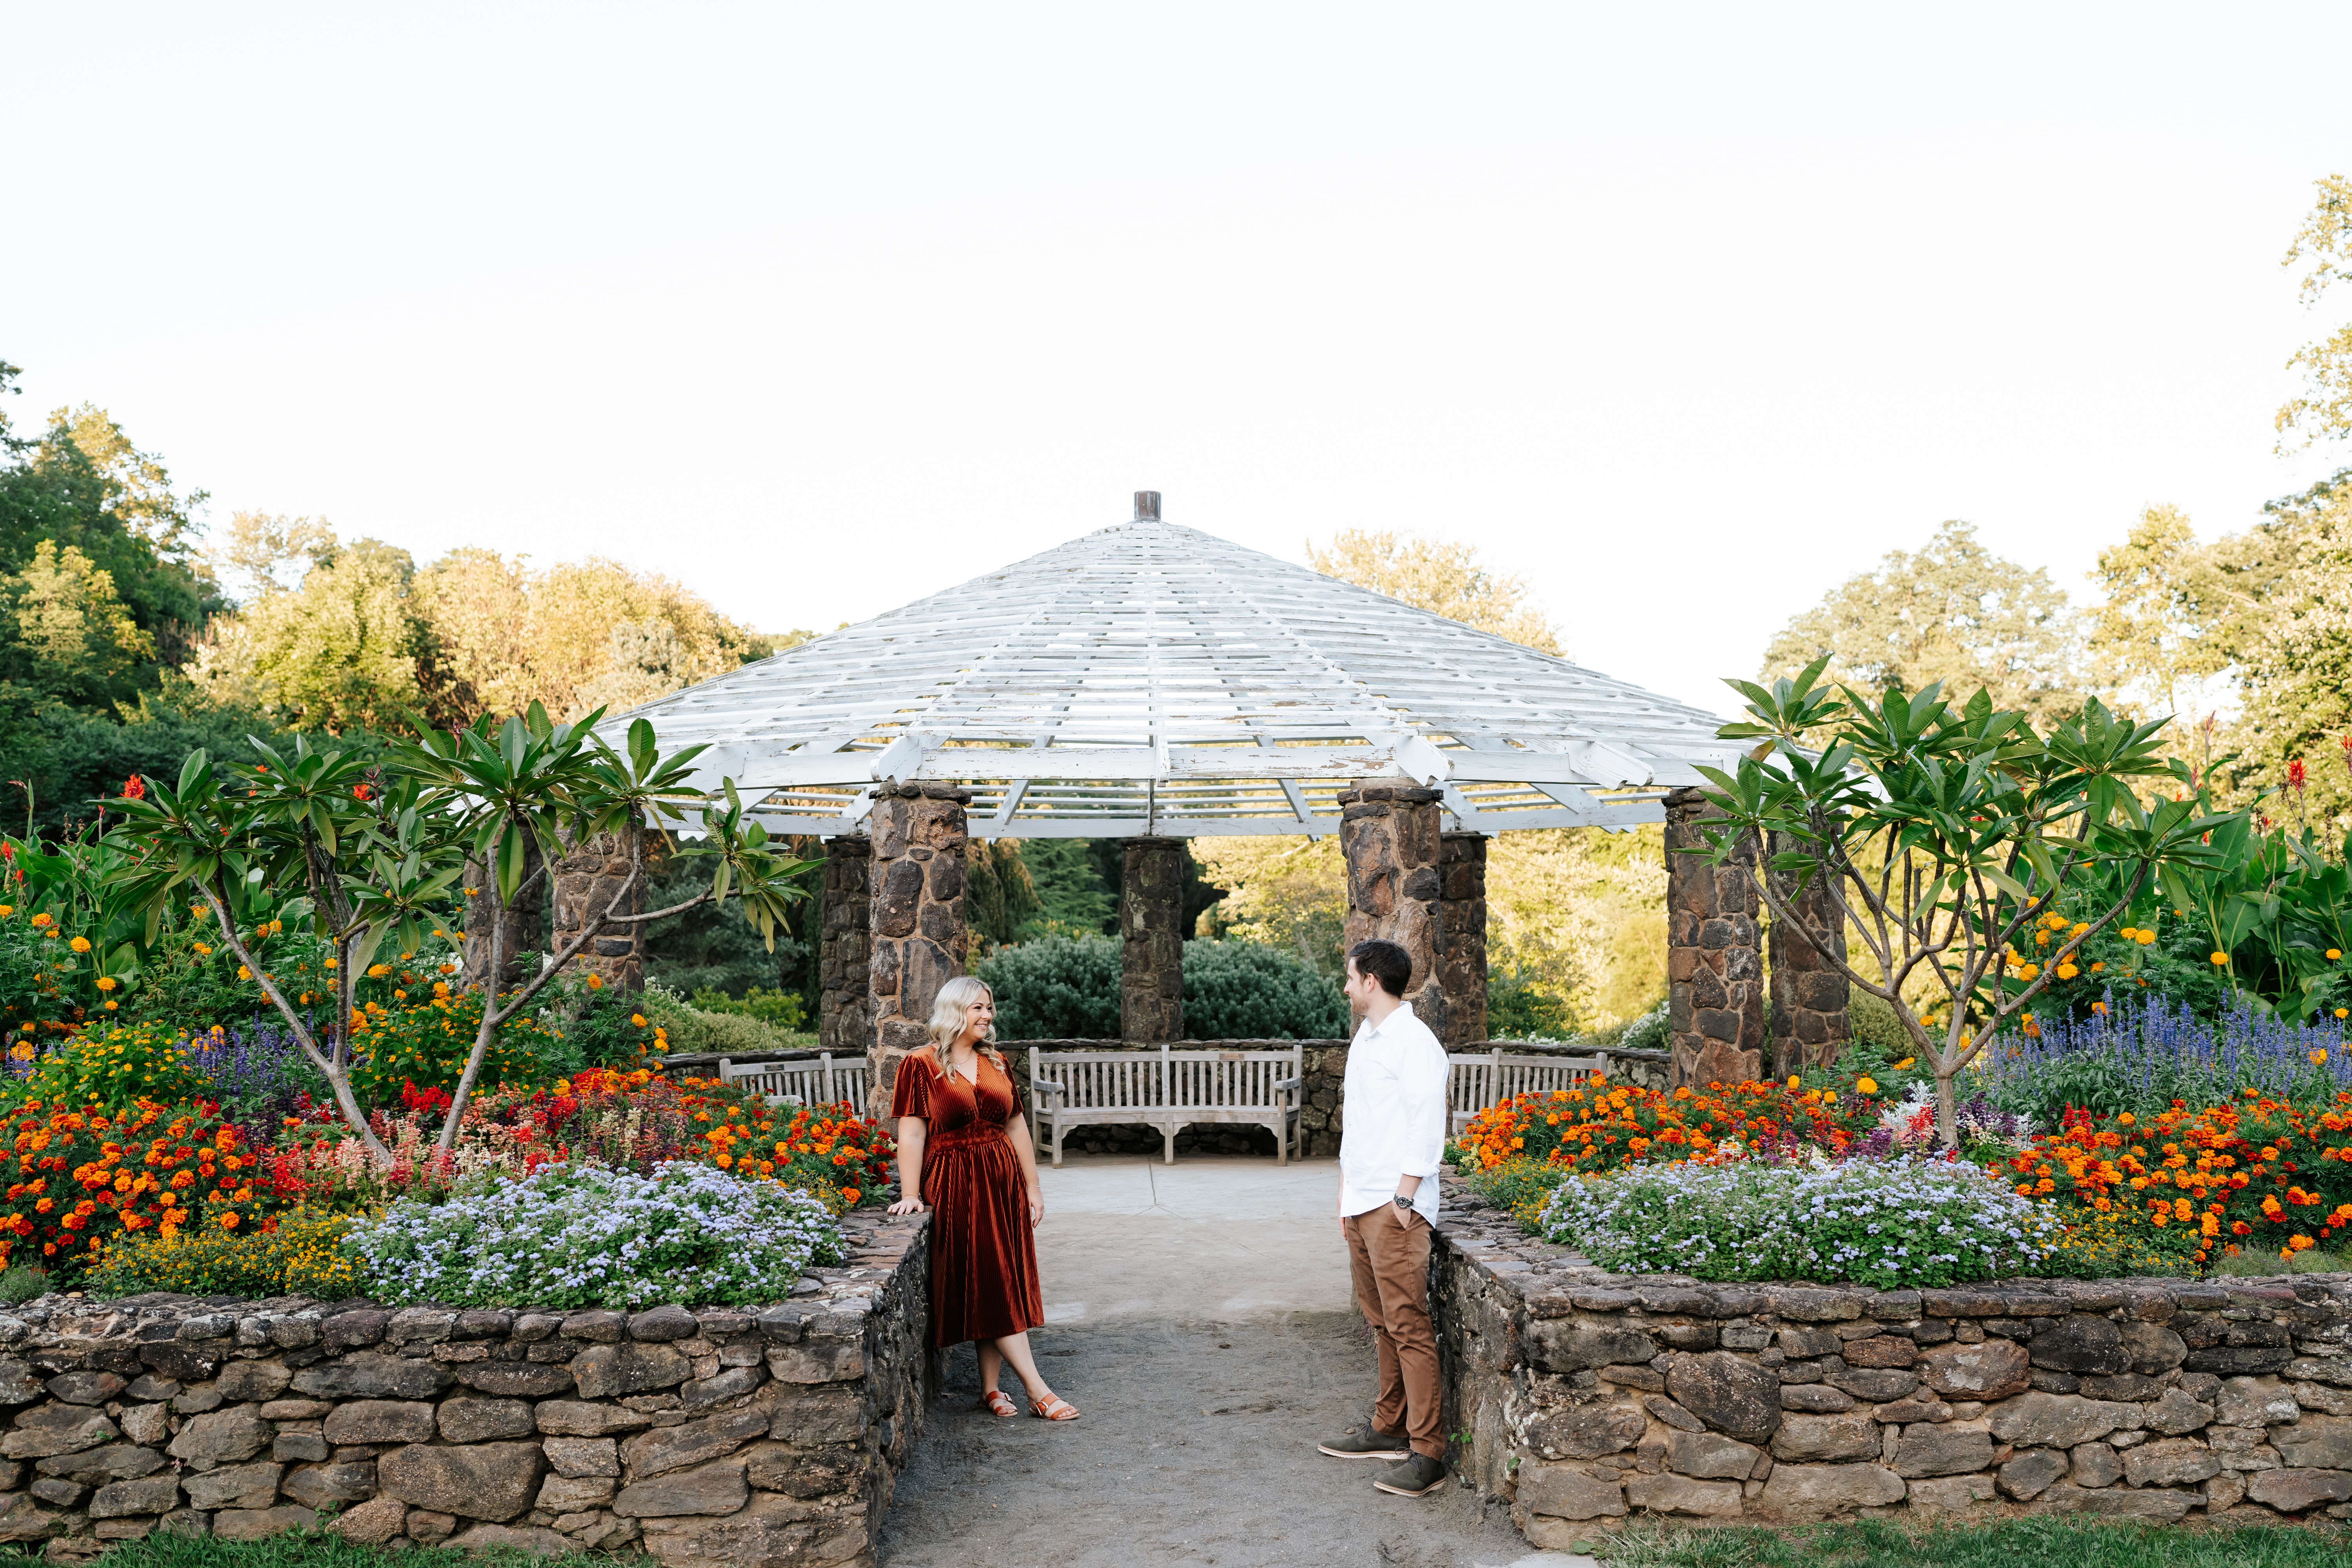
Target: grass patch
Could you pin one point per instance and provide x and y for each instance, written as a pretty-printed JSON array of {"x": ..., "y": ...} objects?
[
  {"x": 2042, "y": 1543},
  {"x": 309, "y": 1549},
  {"x": 2257, "y": 1265}
]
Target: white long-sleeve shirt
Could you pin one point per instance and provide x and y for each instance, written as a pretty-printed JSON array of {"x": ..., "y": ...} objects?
[{"x": 1393, "y": 1110}]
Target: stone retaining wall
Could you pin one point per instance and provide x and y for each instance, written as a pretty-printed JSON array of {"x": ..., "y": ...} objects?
[
  {"x": 1588, "y": 1395},
  {"x": 746, "y": 1438}
]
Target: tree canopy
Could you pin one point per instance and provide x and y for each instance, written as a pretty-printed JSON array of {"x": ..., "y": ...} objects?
[
  {"x": 1440, "y": 576},
  {"x": 1952, "y": 612},
  {"x": 2323, "y": 410}
]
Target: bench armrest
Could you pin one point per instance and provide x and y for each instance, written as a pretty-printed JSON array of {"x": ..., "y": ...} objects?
[
  {"x": 1290, "y": 1082},
  {"x": 1048, "y": 1086}
]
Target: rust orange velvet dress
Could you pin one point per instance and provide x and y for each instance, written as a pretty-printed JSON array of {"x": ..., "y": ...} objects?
[{"x": 983, "y": 1249}]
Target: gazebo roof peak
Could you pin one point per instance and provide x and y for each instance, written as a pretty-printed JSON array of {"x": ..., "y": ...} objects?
[{"x": 1149, "y": 679}]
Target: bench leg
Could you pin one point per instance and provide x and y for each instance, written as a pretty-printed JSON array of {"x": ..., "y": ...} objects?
[
  {"x": 1281, "y": 1139},
  {"x": 1168, "y": 1134},
  {"x": 1058, "y": 1134}
]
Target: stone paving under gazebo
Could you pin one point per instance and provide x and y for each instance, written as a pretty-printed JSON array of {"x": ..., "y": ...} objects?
[{"x": 1149, "y": 682}]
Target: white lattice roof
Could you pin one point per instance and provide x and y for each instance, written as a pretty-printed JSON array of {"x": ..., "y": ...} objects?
[{"x": 1148, "y": 678}]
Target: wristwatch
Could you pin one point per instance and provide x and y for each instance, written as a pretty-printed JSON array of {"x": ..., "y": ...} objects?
[{"x": 1404, "y": 1203}]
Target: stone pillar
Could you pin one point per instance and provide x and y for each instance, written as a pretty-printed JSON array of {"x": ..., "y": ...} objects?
[
  {"x": 1152, "y": 934},
  {"x": 915, "y": 883},
  {"x": 585, "y": 883},
  {"x": 1715, "y": 975},
  {"x": 1808, "y": 996},
  {"x": 1462, "y": 970},
  {"x": 844, "y": 1024},
  {"x": 1389, "y": 836},
  {"x": 525, "y": 921}
]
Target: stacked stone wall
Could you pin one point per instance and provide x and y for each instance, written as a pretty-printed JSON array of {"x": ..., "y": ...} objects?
[
  {"x": 1390, "y": 838},
  {"x": 763, "y": 1436},
  {"x": 845, "y": 1024},
  {"x": 1714, "y": 970},
  {"x": 1808, "y": 1023},
  {"x": 1592, "y": 1396},
  {"x": 587, "y": 881},
  {"x": 1462, "y": 959},
  {"x": 1151, "y": 942},
  {"x": 915, "y": 885}
]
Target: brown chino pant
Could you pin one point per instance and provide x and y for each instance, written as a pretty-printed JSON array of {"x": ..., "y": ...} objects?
[{"x": 1389, "y": 1255}]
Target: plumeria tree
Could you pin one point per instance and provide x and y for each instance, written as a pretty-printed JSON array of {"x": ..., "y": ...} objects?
[
  {"x": 1941, "y": 836},
  {"x": 515, "y": 799},
  {"x": 377, "y": 851}
]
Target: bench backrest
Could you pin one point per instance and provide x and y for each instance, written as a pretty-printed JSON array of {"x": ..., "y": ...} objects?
[
  {"x": 1476, "y": 1080},
  {"x": 1094, "y": 1080},
  {"x": 1154, "y": 1079},
  {"x": 817, "y": 1080},
  {"x": 1235, "y": 1079}
]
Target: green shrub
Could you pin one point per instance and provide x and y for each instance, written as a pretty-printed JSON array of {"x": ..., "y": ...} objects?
[
  {"x": 1519, "y": 1185},
  {"x": 426, "y": 1042},
  {"x": 21, "y": 1283},
  {"x": 604, "y": 1031},
  {"x": 115, "y": 1071},
  {"x": 1257, "y": 991},
  {"x": 1874, "y": 1025},
  {"x": 299, "y": 1255},
  {"x": 693, "y": 1031},
  {"x": 1517, "y": 1011},
  {"x": 1067, "y": 988},
  {"x": 1649, "y": 1032},
  {"x": 777, "y": 1009},
  {"x": 1059, "y": 988}
]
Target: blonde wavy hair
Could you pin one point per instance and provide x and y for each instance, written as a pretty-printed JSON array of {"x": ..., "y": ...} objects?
[{"x": 948, "y": 1009}]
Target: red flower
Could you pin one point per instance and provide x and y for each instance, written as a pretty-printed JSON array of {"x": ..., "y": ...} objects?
[
  {"x": 2294, "y": 772},
  {"x": 359, "y": 792},
  {"x": 134, "y": 788}
]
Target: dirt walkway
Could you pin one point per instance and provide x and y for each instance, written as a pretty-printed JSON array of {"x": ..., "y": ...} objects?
[
  {"x": 1197, "y": 1446},
  {"x": 1198, "y": 1440}
]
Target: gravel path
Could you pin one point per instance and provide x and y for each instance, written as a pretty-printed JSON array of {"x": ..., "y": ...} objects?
[{"x": 1197, "y": 1445}]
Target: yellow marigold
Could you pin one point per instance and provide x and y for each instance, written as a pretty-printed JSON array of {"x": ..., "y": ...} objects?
[{"x": 79, "y": 944}]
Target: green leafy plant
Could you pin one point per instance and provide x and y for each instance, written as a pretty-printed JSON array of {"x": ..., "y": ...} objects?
[
  {"x": 115, "y": 1071},
  {"x": 1056, "y": 988},
  {"x": 1257, "y": 991},
  {"x": 374, "y": 854},
  {"x": 777, "y": 1009},
  {"x": 1939, "y": 835},
  {"x": 300, "y": 1253}
]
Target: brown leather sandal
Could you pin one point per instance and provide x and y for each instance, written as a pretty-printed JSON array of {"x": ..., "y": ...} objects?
[
  {"x": 1053, "y": 1408},
  {"x": 996, "y": 1402}
]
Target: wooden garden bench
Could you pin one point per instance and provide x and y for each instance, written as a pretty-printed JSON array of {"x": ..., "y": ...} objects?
[
  {"x": 1166, "y": 1089},
  {"x": 1476, "y": 1079},
  {"x": 815, "y": 1079}
]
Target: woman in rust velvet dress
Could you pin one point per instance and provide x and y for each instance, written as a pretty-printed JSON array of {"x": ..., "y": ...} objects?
[{"x": 964, "y": 1147}]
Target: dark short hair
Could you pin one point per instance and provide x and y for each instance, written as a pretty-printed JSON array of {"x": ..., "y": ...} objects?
[{"x": 1384, "y": 961}]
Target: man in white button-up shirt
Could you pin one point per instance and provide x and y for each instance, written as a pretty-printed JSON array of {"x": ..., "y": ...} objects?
[{"x": 1393, "y": 1106}]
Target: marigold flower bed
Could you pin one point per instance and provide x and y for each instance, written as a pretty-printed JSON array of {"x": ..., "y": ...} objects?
[
  {"x": 2168, "y": 1193},
  {"x": 80, "y": 1179},
  {"x": 1606, "y": 1127}
]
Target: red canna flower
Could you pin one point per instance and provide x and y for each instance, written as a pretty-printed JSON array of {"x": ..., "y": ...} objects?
[
  {"x": 134, "y": 788},
  {"x": 2294, "y": 773}
]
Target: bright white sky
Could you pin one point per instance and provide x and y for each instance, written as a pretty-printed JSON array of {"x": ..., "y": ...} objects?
[{"x": 1687, "y": 312}]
